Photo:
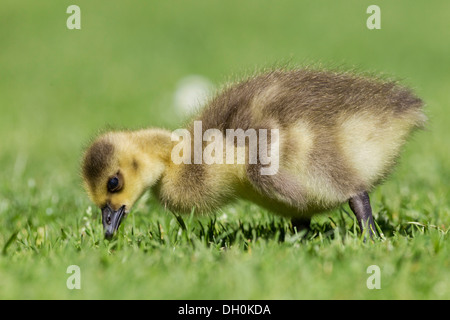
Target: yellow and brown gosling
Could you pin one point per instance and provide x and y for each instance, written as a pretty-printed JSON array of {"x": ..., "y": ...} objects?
[{"x": 339, "y": 136}]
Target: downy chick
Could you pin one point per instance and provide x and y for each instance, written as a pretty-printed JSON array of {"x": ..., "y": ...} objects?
[{"x": 338, "y": 136}]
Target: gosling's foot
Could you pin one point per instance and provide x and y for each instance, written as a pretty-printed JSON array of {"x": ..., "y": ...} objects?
[{"x": 360, "y": 205}]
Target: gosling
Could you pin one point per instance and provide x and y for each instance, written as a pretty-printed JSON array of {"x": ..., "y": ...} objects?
[{"x": 338, "y": 136}]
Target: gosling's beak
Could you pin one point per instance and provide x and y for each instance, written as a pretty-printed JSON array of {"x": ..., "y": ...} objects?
[{"x": 111, "y": 220}]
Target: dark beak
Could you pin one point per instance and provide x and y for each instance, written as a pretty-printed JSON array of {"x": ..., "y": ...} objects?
[{"x": 111, "y": 220}]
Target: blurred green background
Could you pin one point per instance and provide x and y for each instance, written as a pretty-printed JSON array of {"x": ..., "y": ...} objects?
[{"x": 60, "y": 87}]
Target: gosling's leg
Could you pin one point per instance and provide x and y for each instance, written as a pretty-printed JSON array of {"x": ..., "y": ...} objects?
[{"x": 360, "y": 205}]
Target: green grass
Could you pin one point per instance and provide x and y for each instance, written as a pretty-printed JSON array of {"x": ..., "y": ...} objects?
[{"x": 59, "y": 87}]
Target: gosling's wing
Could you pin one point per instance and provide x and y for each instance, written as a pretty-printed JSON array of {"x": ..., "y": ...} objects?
[{"x": 281, "y": 187}]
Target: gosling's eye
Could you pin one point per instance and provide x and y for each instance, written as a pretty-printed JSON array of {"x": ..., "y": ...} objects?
[{"x": 113, "y": 184}]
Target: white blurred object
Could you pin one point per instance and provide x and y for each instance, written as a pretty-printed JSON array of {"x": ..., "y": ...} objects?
[{"x": 191, "y": 93}]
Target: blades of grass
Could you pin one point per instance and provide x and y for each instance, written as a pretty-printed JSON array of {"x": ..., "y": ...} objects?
[
  {"x": 8, "y": 243},
  {"x": 380, "y": 232},
  {"x": 159, "y": 232},
  {"x": 346, "y": 212},
  {"x": 191, "y": 217},
  {"x": 180, "y": 221},
  {"x": 64, "y": 235}
]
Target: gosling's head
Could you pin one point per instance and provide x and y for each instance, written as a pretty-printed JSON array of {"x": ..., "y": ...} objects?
[{"x": 117, "y": 168}]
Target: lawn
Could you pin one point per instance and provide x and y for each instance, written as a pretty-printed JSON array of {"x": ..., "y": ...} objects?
[{"x": 59, "y": 87}]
